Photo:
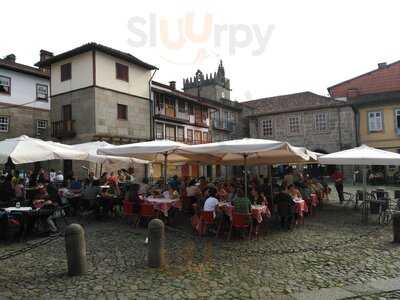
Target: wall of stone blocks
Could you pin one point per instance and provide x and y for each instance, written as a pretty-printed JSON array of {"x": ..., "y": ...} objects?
[
  {"x": 23, "y": 121},
  {"x": 137, "y": 126}
]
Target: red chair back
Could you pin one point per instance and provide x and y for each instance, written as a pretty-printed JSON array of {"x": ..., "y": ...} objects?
[
  {"x": 207, "y": 217},
  {"x": 127, "y": 208},
  {"x": 146, "y": 210},
  {"x": 241, "y": 220}
]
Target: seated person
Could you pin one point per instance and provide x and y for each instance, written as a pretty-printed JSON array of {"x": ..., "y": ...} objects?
[
  {"x": 293, "y": 191},
  {"x": 144, "y": 187},
  {"x": 211, "y": 203},
  {"x": 258, "y": 197},
  {"x": 171, "y": 193},
  {"x": 76, "y": 185},
  {"x": 242, "y": 204},
  {"x": 90, "y": 193}
]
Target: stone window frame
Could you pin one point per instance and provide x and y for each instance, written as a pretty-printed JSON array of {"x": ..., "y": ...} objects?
[
  {"x": 41, "y": 124},
  {"x": 290, "y": 132},
  {"x": 4, "y": 123},
  {"x": 264, "y": 127},
  {"x": 326, "y": 114},
  {"x": 368, "y": 121},
  {"x": 122, "y": 112}
]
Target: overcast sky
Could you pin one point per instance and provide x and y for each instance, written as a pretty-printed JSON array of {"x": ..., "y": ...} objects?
[{"x": 268, "y": 47}]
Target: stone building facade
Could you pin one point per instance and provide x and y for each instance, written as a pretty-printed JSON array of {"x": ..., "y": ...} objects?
[
  {"x": 24, "y": 99},
  {"x": 99, "y": 93},
  {"x": 319, "y": 123}
]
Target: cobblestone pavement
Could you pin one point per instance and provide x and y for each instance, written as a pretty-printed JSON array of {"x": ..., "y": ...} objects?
[{"x": 331, "y": 250}]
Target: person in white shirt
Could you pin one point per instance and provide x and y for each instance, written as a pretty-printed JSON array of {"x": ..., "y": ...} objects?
[
  {"x": 52, "y": 175},
  {"x": 59, "y": 177},
  {"x": 211, "y": 203}
]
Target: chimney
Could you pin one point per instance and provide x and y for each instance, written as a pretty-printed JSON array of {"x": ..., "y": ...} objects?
[
  {"x": 382, "y": 65},
  {"x": 10, "y": 58},
  {"x": 44, "y": 55},
  {"x": 172, "y": 85}
]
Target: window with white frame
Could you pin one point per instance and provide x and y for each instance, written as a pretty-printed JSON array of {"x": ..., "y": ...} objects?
[
  {"x": 294, "y": 124},
  {"x": 321, "y": 121},
  {"x": 4, "y": 123},
  {"x": 397, "y": 120},
  {"x": 375, "y": 123},
  {"x": 42, "y": 92},
  {"x": 266, "y": 127},
  {"x": 41, "y": 125},
  {"x": 159, "y": 131},
  {"x": 5, "y": 85}
]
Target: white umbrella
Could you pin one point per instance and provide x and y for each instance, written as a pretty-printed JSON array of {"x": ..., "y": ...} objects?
[
  {"x": 25, "y": 149},
  {"x": 253, "y": 152},
  {"x": 363, "y": 155},
  {"x": 157, "y": 151},
  {"x": 92, "y": 147}
]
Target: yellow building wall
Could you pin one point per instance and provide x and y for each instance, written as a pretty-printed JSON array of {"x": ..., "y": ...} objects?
[{"x": 388, "y": 138}]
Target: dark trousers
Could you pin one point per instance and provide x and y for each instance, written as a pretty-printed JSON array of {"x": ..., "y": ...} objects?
[{"x": 339, "y": 189}]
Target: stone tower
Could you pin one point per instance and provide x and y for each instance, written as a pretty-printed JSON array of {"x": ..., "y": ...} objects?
[{"x": 212, "y": 86}]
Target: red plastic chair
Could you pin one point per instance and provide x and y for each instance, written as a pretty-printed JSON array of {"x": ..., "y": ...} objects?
[
  {"x": 146, "y": 212},
  {"x": 127, "y": 208},
  {"x": 206, "y": 219},
  {"x": 241, "y": 221}
]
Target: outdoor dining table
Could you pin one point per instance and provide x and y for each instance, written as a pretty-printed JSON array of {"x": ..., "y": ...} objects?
[
  {"x": 27, "y": 215},
  {"x": 257, "y": 211},
  {"x": 300, "y": 206},
  {"x": 163, "y": 204}
]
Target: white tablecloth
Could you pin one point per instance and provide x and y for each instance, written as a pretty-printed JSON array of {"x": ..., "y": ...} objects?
[{"x": 8, "y": 209}]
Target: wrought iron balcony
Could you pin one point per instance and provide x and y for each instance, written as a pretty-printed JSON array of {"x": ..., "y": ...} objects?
[{"x": 63, "y": 129}]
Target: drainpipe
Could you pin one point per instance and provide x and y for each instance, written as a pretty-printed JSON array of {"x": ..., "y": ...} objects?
[{"x": 152, "y": 134}]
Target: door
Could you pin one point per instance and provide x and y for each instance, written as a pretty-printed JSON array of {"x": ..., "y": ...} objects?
[{"x": 67, "y": 117}]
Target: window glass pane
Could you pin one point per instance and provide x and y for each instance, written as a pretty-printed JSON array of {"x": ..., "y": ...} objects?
[
  {"x": 5, "y": 85},
  {"x": 159, "y": 131},
  {"x": 267, "y": 127},
  {"x": 4, "y": 121},
  {"x": 294, "y": 126}
]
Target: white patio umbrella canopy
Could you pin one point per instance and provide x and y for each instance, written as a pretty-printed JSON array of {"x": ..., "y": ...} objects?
[
  {"x": 162, "y": 151},
  {"x": 155, "y": 151},
  {"x": 249, "y": 151},
  {"x": 24, "y": 149},
  {"x": 363, "y": 155},
  {"x": 92, "y": 147},
  {"x": 254, "y": 152}
]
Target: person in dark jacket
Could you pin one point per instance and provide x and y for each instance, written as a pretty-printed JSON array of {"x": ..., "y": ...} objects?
[
  {"x": 286, "y": 207},
  {"x": 133, "y": 196}
]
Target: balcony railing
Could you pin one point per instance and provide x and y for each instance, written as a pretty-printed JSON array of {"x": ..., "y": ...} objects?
[
  {"x": 224, "y": 124},
  {"x": 63, "y": 129},
  {"x": 193, "y": 142}
]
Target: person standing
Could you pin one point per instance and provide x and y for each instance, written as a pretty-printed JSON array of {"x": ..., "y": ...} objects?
[{"x": 338, "y": 178}]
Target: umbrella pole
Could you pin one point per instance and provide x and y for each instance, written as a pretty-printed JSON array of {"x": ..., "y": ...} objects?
[
  {"x": 270, "y": 184},
  {"x": 101, "y": 169},
  {"x": 165, "y": 169},
  {"x": 365, "y": 206},
  {"x": 245, "y": 175}
]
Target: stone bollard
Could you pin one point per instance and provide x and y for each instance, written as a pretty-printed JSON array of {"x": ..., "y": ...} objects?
[
  {"x": 75, "y": 245},
  {"x": 396, "y": 228},
  {"x": 156, "y": 235}
]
